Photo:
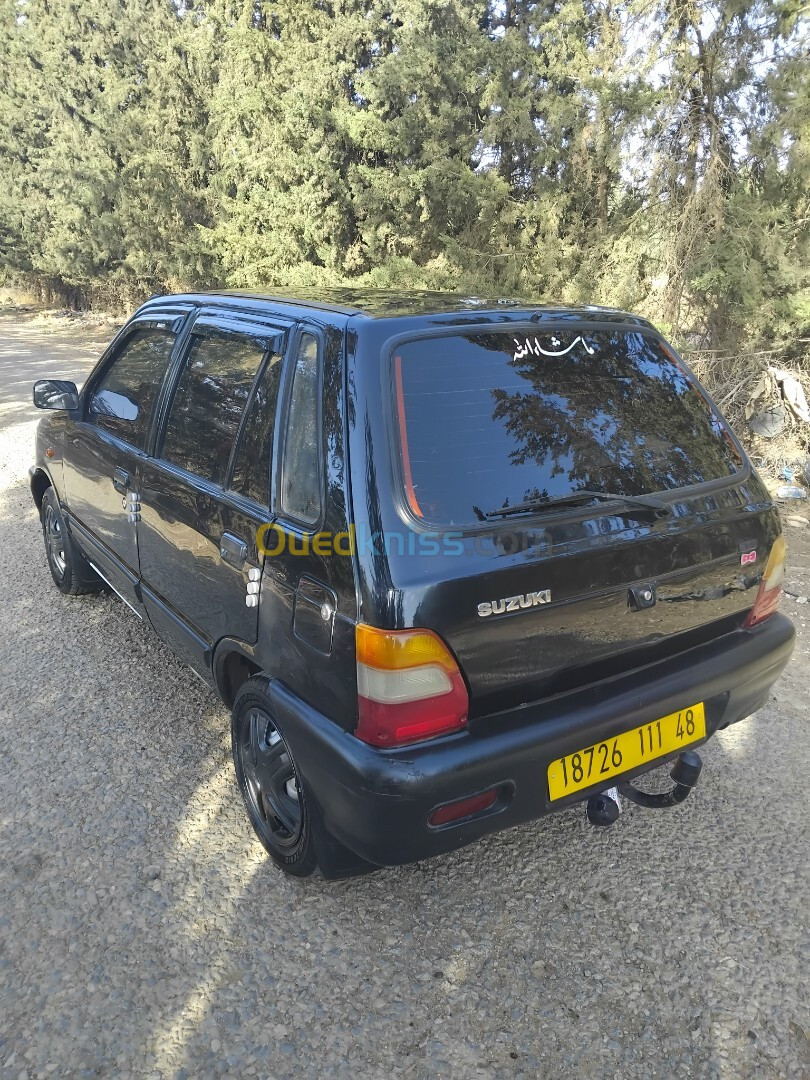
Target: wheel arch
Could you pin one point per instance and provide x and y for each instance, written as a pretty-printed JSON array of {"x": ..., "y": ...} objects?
[
  {"x": 40, "y": 482},
  {"x": 234, "y": 664}
]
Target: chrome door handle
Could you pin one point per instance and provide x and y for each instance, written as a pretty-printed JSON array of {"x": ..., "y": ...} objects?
[
  {"x": 121, "y": 479},
  {"x": 233, "y": 550}
]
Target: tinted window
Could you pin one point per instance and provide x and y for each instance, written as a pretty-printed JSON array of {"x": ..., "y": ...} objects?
[
  {"x": 251, "y": 471},
  {"x": 123, "y": 399},
  {"x": 488, "y": 420},
  {"x": 300, "y": 480},
  {"x": 207, "y": 406}
]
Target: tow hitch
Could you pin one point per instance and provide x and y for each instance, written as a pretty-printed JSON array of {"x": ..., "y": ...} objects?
[{"x": 603, "y": 809}]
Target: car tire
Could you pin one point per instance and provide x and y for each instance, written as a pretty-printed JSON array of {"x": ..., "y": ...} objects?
[
  {"x": 71, "y": 574},
  {"x": 272, "y": 788}
]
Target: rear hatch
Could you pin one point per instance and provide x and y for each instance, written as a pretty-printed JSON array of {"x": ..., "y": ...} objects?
[{"x": 497, "y": 430}]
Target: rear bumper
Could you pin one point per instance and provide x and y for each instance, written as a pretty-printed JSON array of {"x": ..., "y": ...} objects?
[{"x": 377, "y": 802}]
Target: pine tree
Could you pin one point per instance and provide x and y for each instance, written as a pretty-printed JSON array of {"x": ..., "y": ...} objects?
[
  {"x": 652, "y": 155},
  {"x": 428, "y": 212},
  {"x": 564, "y": 96},
  {"x": 105, "y": 192},
  {"x": 283, "y": 113},
  {"x": 717, "y": 172}
]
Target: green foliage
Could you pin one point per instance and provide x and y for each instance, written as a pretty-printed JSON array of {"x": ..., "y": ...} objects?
[
  {"x": 104, "y": 164},
  {"x": 648, "y": 155}
]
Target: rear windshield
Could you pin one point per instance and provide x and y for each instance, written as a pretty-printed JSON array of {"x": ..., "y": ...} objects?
[{"x": 488, "y": 420}]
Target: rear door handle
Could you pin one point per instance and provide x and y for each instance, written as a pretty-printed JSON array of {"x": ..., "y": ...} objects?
[
  {"x": 233, "y": 550},
  {"x": 121, "y": 480}
]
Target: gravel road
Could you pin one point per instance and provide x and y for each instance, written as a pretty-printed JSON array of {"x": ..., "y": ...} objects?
[{"x": 144, "y": 933}]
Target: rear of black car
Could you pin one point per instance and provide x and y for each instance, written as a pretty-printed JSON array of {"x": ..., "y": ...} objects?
[{"x": 567, "y": 574}]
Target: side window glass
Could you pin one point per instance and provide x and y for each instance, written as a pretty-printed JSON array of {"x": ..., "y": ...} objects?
[
  {"x": 251, "y": 470},
  {"x": 208, "y": 402},
  {"x": 300, "y": 494},
  {"x": 122, "y": 401}
]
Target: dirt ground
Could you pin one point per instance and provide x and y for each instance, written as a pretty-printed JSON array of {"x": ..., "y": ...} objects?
[{"x": 143, "y": 933}]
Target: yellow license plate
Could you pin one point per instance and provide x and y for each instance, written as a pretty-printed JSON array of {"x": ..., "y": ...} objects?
[{"x": 604, "y": 760}]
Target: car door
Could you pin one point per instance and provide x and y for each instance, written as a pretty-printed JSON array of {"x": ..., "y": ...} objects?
[
  {"x": 204, "y": 494},
  {"x": 104, "y": 449}
]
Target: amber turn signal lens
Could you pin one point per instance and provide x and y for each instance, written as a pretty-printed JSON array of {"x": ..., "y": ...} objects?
[{"x": 392, "y": 650}]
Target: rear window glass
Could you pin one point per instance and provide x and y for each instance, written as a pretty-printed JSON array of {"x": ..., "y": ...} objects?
[{"x": 488, "y": 420}]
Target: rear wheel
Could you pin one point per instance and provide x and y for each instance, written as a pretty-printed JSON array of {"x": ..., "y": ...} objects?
[
  {"x": 70, "y": 573},
  {"x": 271, "y": 786}
]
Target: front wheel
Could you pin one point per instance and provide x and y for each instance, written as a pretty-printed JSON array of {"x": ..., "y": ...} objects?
[
  {"x": 270, "y": 783},
  {"x": 64, "y": 561}
]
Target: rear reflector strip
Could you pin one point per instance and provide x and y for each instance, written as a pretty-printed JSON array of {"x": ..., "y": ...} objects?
[{"x": 463, "y": 808}]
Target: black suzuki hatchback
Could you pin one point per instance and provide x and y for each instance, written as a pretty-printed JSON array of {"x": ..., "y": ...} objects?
[{"x": 453, "y": 563}]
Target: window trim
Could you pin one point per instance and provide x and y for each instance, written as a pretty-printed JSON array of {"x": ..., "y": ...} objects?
[
  {"x": 241, "y": 503},
  {"x": 392, "y": 420},
  {"x": 300, "y": 528},
  {"x": 263, "y": 333}
]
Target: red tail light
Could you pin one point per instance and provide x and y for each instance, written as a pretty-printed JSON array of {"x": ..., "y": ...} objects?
[
  {"x": 409, "y": 687},
  {"x": 770, "y": 588}
]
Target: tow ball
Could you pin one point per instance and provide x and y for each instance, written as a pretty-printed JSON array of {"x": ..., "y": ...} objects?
[{"x": 603, "y": 809}]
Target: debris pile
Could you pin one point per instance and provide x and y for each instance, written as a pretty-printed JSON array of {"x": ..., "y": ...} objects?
[{"x": 765, "y": 397}]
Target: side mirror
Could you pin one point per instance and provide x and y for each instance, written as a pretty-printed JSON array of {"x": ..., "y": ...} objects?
[{"x": 55, "y": 394}]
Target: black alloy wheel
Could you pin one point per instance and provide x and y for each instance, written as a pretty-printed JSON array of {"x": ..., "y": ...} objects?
[
  {"x": 271, "y": 780},
  {"x": 273, "y": 791},
  {"x": 70, "y": 573},
  {"x": 54, "y": 543}
]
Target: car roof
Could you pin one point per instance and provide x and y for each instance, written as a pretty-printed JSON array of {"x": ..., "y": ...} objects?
[{"x": 393, "y": 304}]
